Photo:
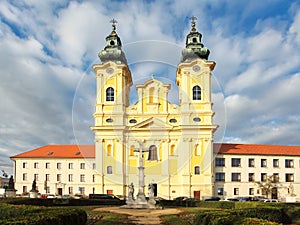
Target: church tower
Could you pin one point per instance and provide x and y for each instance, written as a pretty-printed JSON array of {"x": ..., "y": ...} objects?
[
  {"x": 193, "y": 78},
  {"x": 113, "y": 79}
]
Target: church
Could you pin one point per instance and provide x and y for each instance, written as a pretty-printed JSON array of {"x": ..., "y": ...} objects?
[{"x": 174, "y": 142}]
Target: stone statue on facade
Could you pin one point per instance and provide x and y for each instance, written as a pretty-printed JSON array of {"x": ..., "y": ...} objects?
[
  {"x": 131, "y": 191},
  {"x": 151, "y": 190}
]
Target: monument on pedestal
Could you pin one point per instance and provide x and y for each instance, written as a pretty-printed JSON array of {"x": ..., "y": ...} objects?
[
  {"x": 140, "y": 201},
  {"x": 291, "y": 197},
  {"x": 10, "y": 192},
  {"x": 33, "y": 192}
]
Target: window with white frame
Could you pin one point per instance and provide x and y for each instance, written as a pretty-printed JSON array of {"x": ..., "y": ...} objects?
[
  {"x": 236, "y": 177},
  {"x": 36, "y": 165},
  {"x": 251, "y": 162},
  {"x": 24, "y": 176},
  {"x": 220, "y": 177},
  {"x": 289, "y": 177},
  {"x": 25, "y": 165},
  {"x": 36, "y": 177},
  {"x": 275, "y": 163},
  {"x": 109, "y": 170},
  {"x": 236, "y": 191},
  {"x": 47, "y": 177},
  {"x": 263, "y": 177},
  {"x": 263, "y": 162},
  {"x": 235, "y": 162},
  {"x": 82, "y": 166},
  {"x": 70, "y": 177},
  {"x": 58, "y": 166},
  {"x": 289, "y": 163},
  {"x": 47, "y": 165},
  {"x": 82, "y": 178},
  {"x": 70, "y": 165}
]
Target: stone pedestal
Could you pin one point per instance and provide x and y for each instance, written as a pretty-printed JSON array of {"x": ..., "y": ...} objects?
[
  {"x": 10, "y": 193},
  {"x": 290, "y": 199},
  {"x": 33, "y": 194}
]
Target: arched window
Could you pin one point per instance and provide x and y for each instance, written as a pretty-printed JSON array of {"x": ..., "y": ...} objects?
[
  {"x": 131, "y": 150},
  {"x": 172, "y": 150},
  {"x": 109, "y": 150},
  {"x": 197, "y": 170},
  {"x": 151, "y": 93},
  {"x": 152, "y": 153},
  {"x": 110, "y": 95},
  {"x": 109, "y": 170},
  {"x": 196, "y": 93}
]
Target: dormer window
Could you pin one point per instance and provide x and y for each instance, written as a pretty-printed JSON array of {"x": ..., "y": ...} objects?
[
  {"x": 196, "y": 93},
  {"x": 110, "y": 96}
]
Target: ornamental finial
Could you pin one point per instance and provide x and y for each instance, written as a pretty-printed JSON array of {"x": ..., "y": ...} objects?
[
  {"x": 193, "y": 20},
  {"x": 113, "y": 22}
]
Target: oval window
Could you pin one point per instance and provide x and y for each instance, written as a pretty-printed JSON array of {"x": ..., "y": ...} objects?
[
  {"x": 196, "y": 119},
  {"x": 132, "y": 121},
  {"x": 173, "y": 121},
  {"x": 109, "y": 120}
]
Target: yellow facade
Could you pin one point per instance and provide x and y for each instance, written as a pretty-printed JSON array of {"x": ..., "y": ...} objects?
[{"x": 179, "y": 138}]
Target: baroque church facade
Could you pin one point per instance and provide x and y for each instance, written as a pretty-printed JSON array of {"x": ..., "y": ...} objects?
[
  {"x": 177, "y": 140},
  {"x": 179, "y": 154}
]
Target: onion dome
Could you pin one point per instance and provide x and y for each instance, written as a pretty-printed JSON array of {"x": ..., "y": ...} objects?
[
  {"x": 194, "y": 48},
  {"x": 112, "y": 50}
]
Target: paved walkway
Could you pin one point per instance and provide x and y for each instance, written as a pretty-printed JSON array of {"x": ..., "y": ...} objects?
[{"x": 141, "y": 216}]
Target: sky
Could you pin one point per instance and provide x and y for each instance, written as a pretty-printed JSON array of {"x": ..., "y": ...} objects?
[{"x": 47, "y": 49}]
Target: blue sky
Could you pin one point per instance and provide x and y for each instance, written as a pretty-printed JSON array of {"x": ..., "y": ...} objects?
[{"x": 47, "y": 49}]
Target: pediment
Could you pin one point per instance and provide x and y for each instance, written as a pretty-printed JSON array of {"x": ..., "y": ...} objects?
[{"x": 152, "y": 123}]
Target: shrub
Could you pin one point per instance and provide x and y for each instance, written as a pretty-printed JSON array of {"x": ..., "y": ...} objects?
[{"x": 35, "y": 215}]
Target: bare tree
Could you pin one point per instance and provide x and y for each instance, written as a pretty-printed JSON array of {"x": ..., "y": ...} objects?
[{"x": 268, "y": 185}]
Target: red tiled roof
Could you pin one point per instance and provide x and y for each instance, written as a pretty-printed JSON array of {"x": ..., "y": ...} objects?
[
  {"x": 256, "y": 149},
  {"x": 60, "y": 151},
  {"x": 88, "y": 151}
]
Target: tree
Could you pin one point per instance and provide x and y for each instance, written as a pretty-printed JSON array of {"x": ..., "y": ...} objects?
[{"x": 268, "y": 185}]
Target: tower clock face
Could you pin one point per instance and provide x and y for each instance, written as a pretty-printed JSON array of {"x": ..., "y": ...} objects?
[
  {"x": 109, "y": 70},
  {"x": 196, "y": 68}
]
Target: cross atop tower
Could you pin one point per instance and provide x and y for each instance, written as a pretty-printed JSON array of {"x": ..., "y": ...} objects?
[
  {"x": 113, "y": 22},
  {"x": 193, "y": 20}
]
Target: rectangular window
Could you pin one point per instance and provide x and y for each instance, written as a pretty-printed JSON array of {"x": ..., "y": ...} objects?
[
  {"x": 36, "y": 165},
  {"x": 251, "y": 191},
  {"x": 25, "y": 166},
  {"x": 24, "y": 176},
  {"x": 220, "y": 162},
  {"x": 47, "y": 177},
  {"x": 263, "y": 177},
  {"x": 82, "y": 178},
  {"x": 70, "y": 190},
  {"x": 36, "y": 177},
  {"x": 220, "y": 191},
  {"x": 47, "y": 190},
  {"x": 289, "y": 163},
  {"x": 275, "y": 177},
  {"x": 235, "y": 162},
  {"x": 251, "y": 163},
  {"x": 236, "y": 177},
  {"x": 275, "y": 163},
  {"x": 236, "y": 191},
  {"x": 24, "y": 188},
  {"x": 220, "y": 177},
  {"x": 109, "y": 170},
  {"x": 82, "y": 166},
  {"x": 58, "y": 166},
  {"x": 71, "y": 177},
  {"x": 93, "y": 178},
  {"x": 289, "y": 177},
  {"x": 70, "y": 165},
  {"x": 251, "y": 177},
  {"x": 263, "y": 163},
  {"x": 47, "y": 166},
  {"x": 82, "y": 190},
  {"x": 58, "y": 177},
  {"x": 94, "y": 166}
]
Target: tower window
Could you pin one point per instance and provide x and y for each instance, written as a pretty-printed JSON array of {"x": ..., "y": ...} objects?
[
  {"x": 194, "y": 40},
  {"x": 196, "y": 93},
  {"x": 109, "y": 150},
  {"x": 110, "y": 96},
  {"x": 112, "y": 43},
  {"x": 151, "y": 93},
  {"x": 109, "y": 170},
  {"x": 197, "y": 170},
  {"x": 172, "y": 150},
  {"x": 152, "y": 153}
]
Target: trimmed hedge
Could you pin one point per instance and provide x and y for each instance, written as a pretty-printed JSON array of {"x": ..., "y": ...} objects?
[
  {"x": 36, "y": 215},
  {"x": 229, "y": 217},
  {"x": 204, "y": 204},
  {"x": 64, "y": 202}
]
